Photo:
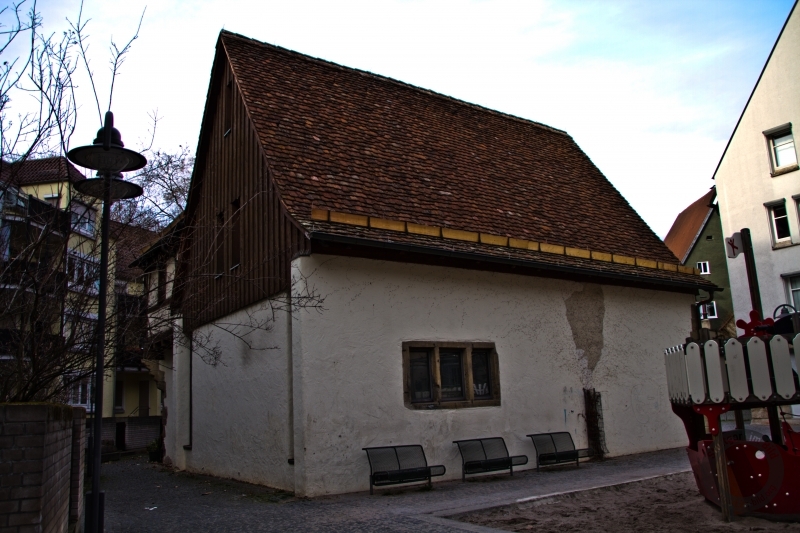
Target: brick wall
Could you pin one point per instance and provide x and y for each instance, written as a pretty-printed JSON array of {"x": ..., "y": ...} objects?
[
  {"x": 107, "y": 435},
  {"x": 36, "y": 467},
  {"x": 77, "y": 467},
  {"x": 141, "y": 431}
]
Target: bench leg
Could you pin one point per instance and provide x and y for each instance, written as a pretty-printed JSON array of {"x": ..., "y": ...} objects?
[
  {"x": 463, "y": 474},
  {"x": 370, "y": 485},
  {"x": 430, "y": 483},
  {"x": 511, "y": 469}
]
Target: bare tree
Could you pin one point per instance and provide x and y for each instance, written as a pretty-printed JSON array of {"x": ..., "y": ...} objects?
[
  {"x": 48, "y": 247},
  {"x": 49, "y": 272},
  {"x": 165, "y": 181}
]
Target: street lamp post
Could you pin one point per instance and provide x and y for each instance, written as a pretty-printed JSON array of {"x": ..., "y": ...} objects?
[{"x": 109, "y": 158}]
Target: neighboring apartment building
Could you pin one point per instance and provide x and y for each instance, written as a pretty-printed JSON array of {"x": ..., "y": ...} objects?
[
  {"x": 758, "y": 179},
  {"x": 365, "y": 262},
  {"x": 696, "y": 239},
  {"x": 41, "y": 188}
]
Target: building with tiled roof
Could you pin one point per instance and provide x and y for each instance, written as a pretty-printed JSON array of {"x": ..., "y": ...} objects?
[
  {"x": 376, "y": 262},
  {"x": 696, "y": 238},
  {"x": 43, "y": 170},
  {"x": 31, "y": 192}
]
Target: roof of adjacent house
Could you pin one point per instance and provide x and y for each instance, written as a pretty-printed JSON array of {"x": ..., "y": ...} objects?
[
  {"x": 44, "y": 170},
  {"x": 346, "y": 143},
  {"x": 689, "y": 225},
  {"x": 130, "y": 241}
]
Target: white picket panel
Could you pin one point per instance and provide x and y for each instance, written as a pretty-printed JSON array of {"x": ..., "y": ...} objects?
[
  {"x": 683, "y": 379},
  {"x": 737, "y": 372},
  {"x": 670, "y": 377},
  {"x": 796, "y": 350},
  {"x": 694, "y": 373},
  {"x": 714, "y": 370},
  {"x": 782, "y": 366},
  {"x": 759, "y": 368}
]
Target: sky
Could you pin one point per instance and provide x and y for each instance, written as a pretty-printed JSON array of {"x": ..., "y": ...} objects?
[{"x": 650, "y": 90}]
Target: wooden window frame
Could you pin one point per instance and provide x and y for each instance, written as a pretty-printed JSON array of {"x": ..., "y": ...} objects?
[
  {"x": 236, "y": 235},
  {"x": 469, "y": 399},
  {"x": 219, "y": 245}
]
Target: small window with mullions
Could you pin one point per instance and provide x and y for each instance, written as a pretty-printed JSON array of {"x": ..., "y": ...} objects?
[
  {"x": 782, "y": 152},
  {"x": 450, "y": 375}
]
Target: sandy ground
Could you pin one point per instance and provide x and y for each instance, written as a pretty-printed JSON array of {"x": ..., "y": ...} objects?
[{"x": 665, "y": 504}]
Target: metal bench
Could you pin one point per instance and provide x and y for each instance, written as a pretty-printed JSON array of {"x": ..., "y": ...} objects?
[
  {"x": 487, "y": 455},
  {"x": 556, "y": 448},
  {"x": 392, "y": 465}
]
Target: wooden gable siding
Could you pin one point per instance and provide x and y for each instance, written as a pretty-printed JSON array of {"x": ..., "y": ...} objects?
[{"x": 233, "y": 169}]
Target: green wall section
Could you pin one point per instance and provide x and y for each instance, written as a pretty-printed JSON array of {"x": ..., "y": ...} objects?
[{"x": 710, "y": 246}]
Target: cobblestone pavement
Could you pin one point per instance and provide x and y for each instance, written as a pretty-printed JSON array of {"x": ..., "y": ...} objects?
[{"x": 142, "y": 497}]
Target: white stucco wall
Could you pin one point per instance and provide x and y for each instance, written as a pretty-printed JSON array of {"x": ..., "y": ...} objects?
[
  {"x": 744, "y": 182},
  {"x": 177, "y": 373},
  {"x": 348, "y": 372},
  {"x": 240, "y": 406}
]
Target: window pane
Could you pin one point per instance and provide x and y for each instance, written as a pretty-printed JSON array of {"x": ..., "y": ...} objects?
[
  {"x": 420, "y": 377},
  {"x": 480, "y": 374},
  {"x": 781, "y": 222},
  {"x": 794, "y": 286},
  {"x": 784, "y": 151},
  {"x": 452, "y": 375}
]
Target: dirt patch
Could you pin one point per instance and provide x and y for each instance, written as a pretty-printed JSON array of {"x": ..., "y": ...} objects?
[{"x": 665, "y": 504}]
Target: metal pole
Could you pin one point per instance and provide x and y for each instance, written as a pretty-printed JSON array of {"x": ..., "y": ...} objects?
[
  {"x": 755, "y": 301},
  {"x": 739, "y": 419},
  {"x": 752, "y": 275},
  {"x": 101, "y": 346}
]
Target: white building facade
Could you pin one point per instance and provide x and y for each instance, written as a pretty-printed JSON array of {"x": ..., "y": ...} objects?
[
  {"x": 296, "y": 415},
  {"x": 758, "y": 180}
]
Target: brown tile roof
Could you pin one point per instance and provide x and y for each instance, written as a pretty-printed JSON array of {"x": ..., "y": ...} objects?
[
  {"x": 45, "y": 170},
  {"x": 344, "y": 140},
  {"x": 688, "y": 225},
  {"x": 129, "y": 241}
]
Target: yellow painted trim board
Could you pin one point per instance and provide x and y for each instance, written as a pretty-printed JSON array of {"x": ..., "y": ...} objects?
[{"x": 493, "y": 240}]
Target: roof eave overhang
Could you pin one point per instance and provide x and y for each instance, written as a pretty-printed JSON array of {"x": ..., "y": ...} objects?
[{"x": 320, "y": 243}]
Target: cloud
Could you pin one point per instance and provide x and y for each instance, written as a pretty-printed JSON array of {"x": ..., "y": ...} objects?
[{"x": 650, "y": 90}]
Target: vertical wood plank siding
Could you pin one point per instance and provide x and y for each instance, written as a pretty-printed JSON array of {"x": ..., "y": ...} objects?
[{"x": 232, "y": 168}]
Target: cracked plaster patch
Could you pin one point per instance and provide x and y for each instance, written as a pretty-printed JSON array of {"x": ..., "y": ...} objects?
[{"x": 585, "y": 314}]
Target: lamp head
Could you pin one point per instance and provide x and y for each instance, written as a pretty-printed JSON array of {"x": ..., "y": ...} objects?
[{"x": 107, "y": 154}]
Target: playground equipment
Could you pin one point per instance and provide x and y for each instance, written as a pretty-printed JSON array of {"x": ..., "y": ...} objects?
[{"x": 742, "y": 474}]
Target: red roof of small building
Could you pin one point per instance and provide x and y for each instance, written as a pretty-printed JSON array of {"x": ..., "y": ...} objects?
[
  {"x": 349, "y": 141},
  {"x": 688, "y": 225},
  {"x": 44, "y": 170},
  {"x": 360, "y": 159},
  {"x": 129, "y": 241}
]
